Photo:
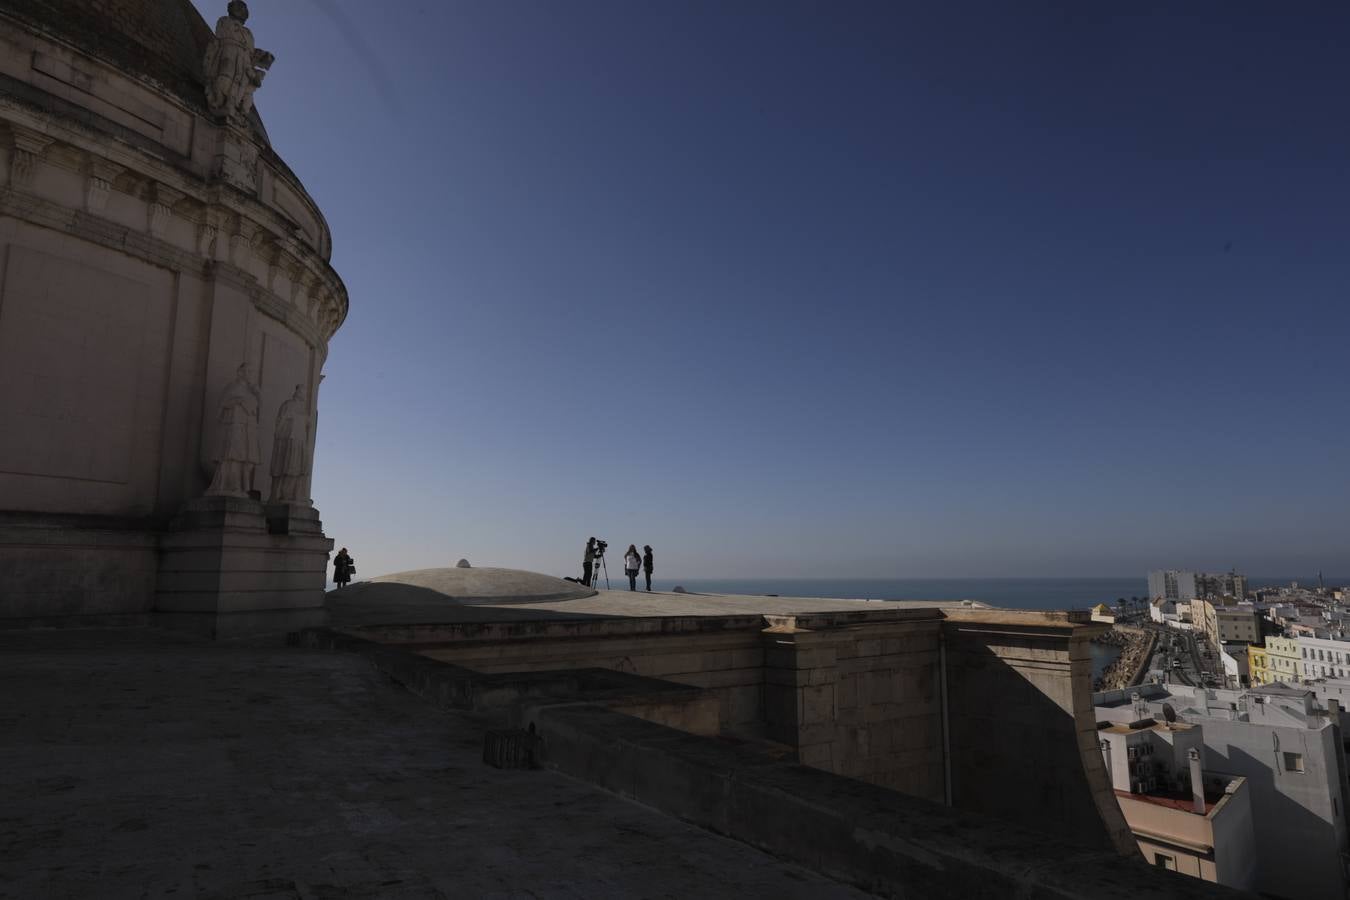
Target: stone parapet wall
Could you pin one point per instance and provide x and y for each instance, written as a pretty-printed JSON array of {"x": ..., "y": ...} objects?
[
  {"x": 860, "y": 701},
  {"x": 1023, "y": 738},
  {"x": 655, "y": 742},
  {"x": 1004, "y": 727},
  {"x": 884, "y": 842}
]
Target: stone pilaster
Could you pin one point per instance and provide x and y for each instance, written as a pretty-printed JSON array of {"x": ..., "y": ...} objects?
[{"x": 800, "y": 679}]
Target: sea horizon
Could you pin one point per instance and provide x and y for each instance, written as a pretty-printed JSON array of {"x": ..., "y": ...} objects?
[{"x": 1024, "y": 592}]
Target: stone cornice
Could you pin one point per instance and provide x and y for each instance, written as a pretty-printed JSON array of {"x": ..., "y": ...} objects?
[
  {"x": 312, "y": 324},
  {"x": 41, "y": 125}
]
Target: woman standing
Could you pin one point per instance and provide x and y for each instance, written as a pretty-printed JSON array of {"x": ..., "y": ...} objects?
[
  {"x": 343, "y": 567},
  {"x": 647, "y": 564},
  {"x": 631, "y": 563}
]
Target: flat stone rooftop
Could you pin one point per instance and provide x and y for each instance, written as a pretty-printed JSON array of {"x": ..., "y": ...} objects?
[
  {"x": 351, "y": 607},
  {"x": 138, "y": 764}
]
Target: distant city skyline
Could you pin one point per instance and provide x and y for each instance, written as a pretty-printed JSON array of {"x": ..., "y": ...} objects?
[{"x": 878, "y": 291}]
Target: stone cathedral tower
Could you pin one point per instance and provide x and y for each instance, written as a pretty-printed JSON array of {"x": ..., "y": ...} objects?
[{"x": 166, "y": 302}]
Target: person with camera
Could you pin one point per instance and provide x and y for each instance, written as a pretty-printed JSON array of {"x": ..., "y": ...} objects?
[
  {"x": 631, "y": 564},
  {"x": 647, "y": 564},
  {"x": 588, "y": 562}
]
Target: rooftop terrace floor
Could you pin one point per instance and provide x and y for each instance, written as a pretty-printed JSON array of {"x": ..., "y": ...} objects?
[
  {"x": 136, "y": 764},
  {"x": 349, "y": 607}
]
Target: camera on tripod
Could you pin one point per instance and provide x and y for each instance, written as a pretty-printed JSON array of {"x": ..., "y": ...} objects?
[{"x": 600, "y": 547}]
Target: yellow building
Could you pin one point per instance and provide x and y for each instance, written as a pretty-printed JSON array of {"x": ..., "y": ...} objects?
[
  {"x": 1102, "y": 613},
  {"x": 1282, "y": 661},
  {"x": 1258, "y": 665}
]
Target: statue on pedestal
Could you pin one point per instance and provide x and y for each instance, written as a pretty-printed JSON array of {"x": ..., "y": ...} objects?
[
  {"x": 290, "y": 449},
  {"x": 237, "y": 454},
  {"x": 234, "y": 68}
]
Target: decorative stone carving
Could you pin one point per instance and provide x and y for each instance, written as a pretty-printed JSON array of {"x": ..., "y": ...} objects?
[
  {"x": 234, "y": 67},
  {"x": 162, "y": 199},
  {"x": 236, "y": 161},
  {"x": 99, "y": 176},
  {"x": 301, "y": 283},
  {"x": 241, "y": 250},
  {"x": 206, "y": 239},
  {"x": 96, "y": 193},
  {"x": 276, "y": 267},
  {"x": 159, "y": 218},
  {"x": 290, "y": 450},
  {"x": 26, "y": 147},
  {"x": 237, "y": 454}
]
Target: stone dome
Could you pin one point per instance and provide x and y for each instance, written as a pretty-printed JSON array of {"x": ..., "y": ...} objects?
[
  {"x": 164, "y": 40},
  {"x": 161, "y": 40},
  {"x": 210, "y": 265},
  {"x": 463, "y": 587}
]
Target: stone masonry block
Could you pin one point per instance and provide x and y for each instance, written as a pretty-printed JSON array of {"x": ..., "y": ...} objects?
[{"x": 816, "y": 705}]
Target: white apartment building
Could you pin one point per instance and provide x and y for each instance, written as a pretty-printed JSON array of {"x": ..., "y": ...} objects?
[
  {"x": 1324, "y": 658},
  {"x": 1289, "y": 747},
  {"x": 1185, "y": 818},
  {"x": 1180, "y": 584}
]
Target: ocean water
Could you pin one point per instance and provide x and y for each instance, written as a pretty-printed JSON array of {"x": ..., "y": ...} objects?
[
  {"x": 1009, "y": 593},
  {"x": 1102, "y": 656}
]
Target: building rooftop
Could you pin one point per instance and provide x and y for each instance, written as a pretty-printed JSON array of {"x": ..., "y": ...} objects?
[
  {"x": 139, "y": 764},
  {"x": 1179, "y": 800},
  {"x": 1146, "y": 725},
  {"x": 500, "y": 595},
  {"x": 1279, "y": 705}
]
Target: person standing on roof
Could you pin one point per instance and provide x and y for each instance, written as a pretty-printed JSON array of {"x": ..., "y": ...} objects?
[{"x": 631, "y": 564}]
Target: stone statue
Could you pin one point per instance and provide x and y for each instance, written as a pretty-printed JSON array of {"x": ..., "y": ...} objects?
[
  {"x": 290, "y": 449},
  {"x": 237, "y": 454},
  {"x": 234, "y": 68}
]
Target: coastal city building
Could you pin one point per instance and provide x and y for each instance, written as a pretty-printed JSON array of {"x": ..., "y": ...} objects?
[
  {"x": 1258, "y": 666},
  {"x": 1103, "y": 613},
  {"x": 1179, "y": 584},
  {"x": 1185, "y": 817},
  {"x": 1163, "y": 611},
  {"x": 1323, "y": 658},
  {"x": 1223, "y": 624},
  {"x": 1236, "y": 664},
  {"x": 1288, "y": 745}
]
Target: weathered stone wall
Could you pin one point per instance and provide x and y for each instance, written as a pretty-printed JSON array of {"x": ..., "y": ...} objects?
[
  {"x": 728, "y": 662},
  {"x": 860, "y": 701},
  {"x": 64, "y": 570},
  {"x": 888, "y": 843},
  {"x": 1023, "y": 737},
  {"x": 147, "y": 250},
  {"x": 862, "y": 695},
  {"x": 884, "y": 842}
]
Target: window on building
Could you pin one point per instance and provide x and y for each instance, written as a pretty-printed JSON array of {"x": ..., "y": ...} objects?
[
  {"x": 1293, "y": 762},
  {"x": 1163, "y": 861}
]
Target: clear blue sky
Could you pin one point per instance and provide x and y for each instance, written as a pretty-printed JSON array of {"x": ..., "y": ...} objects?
[{"x": 928, "y": 289}]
